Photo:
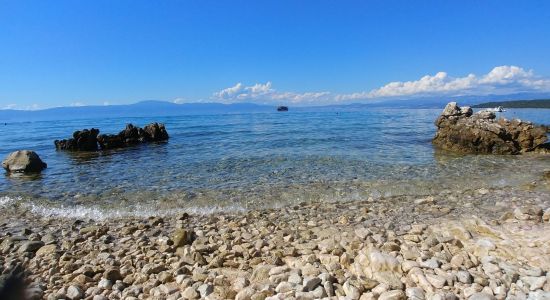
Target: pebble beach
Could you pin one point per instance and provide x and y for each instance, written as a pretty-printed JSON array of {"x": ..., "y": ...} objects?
[{"x": 469, "y": 244}]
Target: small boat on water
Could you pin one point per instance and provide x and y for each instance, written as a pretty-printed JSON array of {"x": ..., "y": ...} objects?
[
  {"x": 282, "y": 108},
  {"x": 496, "y": 109}
]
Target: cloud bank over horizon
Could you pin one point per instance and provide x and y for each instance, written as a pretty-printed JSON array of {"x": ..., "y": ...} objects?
[{"x": 500, "y": 80}]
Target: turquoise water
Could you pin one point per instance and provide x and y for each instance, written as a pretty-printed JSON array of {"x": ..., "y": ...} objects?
[{"x": 239, "y": 161}]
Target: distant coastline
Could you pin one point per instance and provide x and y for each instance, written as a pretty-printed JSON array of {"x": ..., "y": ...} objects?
[{"x": 539, "y": 103}]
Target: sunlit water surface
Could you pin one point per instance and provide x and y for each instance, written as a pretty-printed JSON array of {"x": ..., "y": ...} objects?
[{"x": 240, "y": 161}]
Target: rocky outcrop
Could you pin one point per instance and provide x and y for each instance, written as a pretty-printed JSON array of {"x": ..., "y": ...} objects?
[
  {"x": 155, "y": 132},
  {"x": 461, "y": 130},
  {"x": 83, "y": 140},
  {"x": 91, "y": 140},
  {"x": 23, "y": 161},
  {"x": 110, "y": 141}
]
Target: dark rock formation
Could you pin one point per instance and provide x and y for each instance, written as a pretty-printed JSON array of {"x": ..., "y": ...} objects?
[
  {"x": 131, "y": 134},
  {"x": 460, "y": 130},
  {"x": 23, "y": 161},
  {"x": 155, "y": 132},
  {"x": 110, "y": 141},
  {"x": 91, "y": 140},
  {"x": 84, "y": 140}
]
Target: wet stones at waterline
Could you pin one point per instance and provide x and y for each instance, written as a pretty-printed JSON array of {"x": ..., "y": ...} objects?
[
  {"x": 91, "y": 140},
  {"x": 461, "y": 130}
]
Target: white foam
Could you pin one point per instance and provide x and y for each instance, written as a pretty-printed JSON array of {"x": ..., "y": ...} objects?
[
  {"x": 139, "y": 211},
  {"x": 6, "y": 200}
]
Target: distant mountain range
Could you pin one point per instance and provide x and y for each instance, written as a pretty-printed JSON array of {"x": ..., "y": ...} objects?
[
  {"x": 540, "y": 103},
  {"x": 162, "y": 108},
  {"x": 140, "y": 109}
]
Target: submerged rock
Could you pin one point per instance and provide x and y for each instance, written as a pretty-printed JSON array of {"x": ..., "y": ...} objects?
[
  {"x": 91, "y": 140},
  {"x": 460, "y": 130},
  {"x": 23, "y": 161}
]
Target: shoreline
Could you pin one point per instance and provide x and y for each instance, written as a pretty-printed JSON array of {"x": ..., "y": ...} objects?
[{"x": 456, "y": 244}]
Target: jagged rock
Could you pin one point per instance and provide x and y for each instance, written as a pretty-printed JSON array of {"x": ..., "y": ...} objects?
[
  {"x": 83, "y": 140},
  {"x": 110, "y": 141},
  {"x": 155, "y": 132},
  {"x": 459, "y": 130},
  {"x": 91, "y": 140},
  {"x": 23, "y": 161},
  {"x": 131, "y": 134}
]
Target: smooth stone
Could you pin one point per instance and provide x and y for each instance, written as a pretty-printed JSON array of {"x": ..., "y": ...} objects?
[
  {"x": 47, "y": 250},
  {"x": 329, "y": 289},
  {"x": 318, "y": 293},
  {"x": 351, "y": 291},
  {"x": 415, "y": 293},
  {"x": 75, "y": 292},
  {"x": 392, "y": 295},
  {"x": 152, "y": 269},
  {"x": 112, "y": 274},
  {"x": 245, "y": 294},
  {"x": 261, "y": 273},
  {"x": 105, "y": 284},
  {"x": 284, "y": 287},
  {"x": 30, "y": 246},
  {"x": 205, "y": 290},
  {"x": 181, "y": 237},
  {"x": 534, "y": 283},
  {"x": 168, "y": 289},
  {"x": 431, "y": 263},
  {"x": 278, "y": 270},
  {"x": 295, "y": 278},
  {"x": 379, "y": 266},
  {"x": 311, "y": 283},
  {"x": 190, "y": 293},
  {"x": 408, "y": 265},
  {"x": 539, "y": 295},
  {"x": 436, "y": 280},
  {"x": 482, "y": 296},
  {"x": 464, "y": 277}
]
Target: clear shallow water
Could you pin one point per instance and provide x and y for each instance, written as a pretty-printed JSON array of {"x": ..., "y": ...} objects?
[{"x": 240, "y": 161}]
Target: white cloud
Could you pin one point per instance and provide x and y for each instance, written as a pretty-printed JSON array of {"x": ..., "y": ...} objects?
[
  {"x": 26, "y": 107},
  {"x": 229, "y": 92},
  {"x": 179, "y": 100},
  {"x": 10, "y": 106},
  {"x": 500, "y": 80},
  {"x": 76, "y": 104},
  {"x": 264, "y": 93},
  {"x": 106, "y": 103},
  {"x": 506, "y": 74}
]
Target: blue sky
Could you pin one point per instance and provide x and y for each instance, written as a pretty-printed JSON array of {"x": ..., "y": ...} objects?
[{"x": 60, "y": 53}]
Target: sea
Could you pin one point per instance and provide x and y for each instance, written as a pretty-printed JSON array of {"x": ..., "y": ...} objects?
[{"x": 240, "y": 161}]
